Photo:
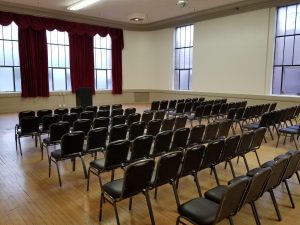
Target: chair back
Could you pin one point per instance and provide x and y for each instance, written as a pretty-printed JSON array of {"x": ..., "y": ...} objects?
[
  {"x": 179, "y": 107},
  {"x": 230, "y": 147},
  {"x": 82, "y": 125},
  {"x": 141, "y": 147},
  {"x": 104, "y": 107},
  {"x": 224, "y": 129},
  {"x": 258, "y": 137},
  {"x": 92, "y": 108},
  {"x": 147, "y": 116},
  {"x": 116, "y": 112},
  {"x": 245, "y": 143},
  {"x": 199, "y": 112},
  {"x": 196, "y": 135},
  {"x": 43, "y": 112},
  {"x": 103, "y": 113},
  {"x": 272, "y": 106},
  {"x": 116, "y": 154},
  {"x": 239, "y": 114},
  {"x": 70, "y": 117},
  {"x": 132, "y": 118},
  {"x": 27, "y": 113},
  {"x": 167, "y": 168},
  {"x": 48, "y": 120},
  {"x": 180, "y": 138},
  {"x": 162, "y": 143},
  {"x": 160, "y": 114},
  {"x": 140, "y": 171},
  {"x": 192, "y": 159},
  {"x": 117, "y": 120},
  {"x": 57, "y": 130},
  {"x": 195, "y": 105},
  {"x": 168, "y": 124},
  {"x": 180, "y": 122},
  {"x": 153, "y": 127},
  {"x": 212, "y": 154},
  {"x": 116, "y": 106},
  {"x": 207, "y": 110},
  {"x": 61, "y": 111},
  {"x": 172, "y": 104},
  {"x": 163, "y": 105},
  {"x": 154, "y": 105},
  {"x": 211, "y": 132},
  {"x": 136, "y": 129},
  {"x": 96, "y": 138},
  {"x": 231, "y": 114},
  {"x": 223, "y": 109},
  {"x": 29, "y": 125},
  {"x": 215, "y": 109},
  {"x": 101, "y": 122},
  {"x": 89, "y": 115},
  {"x": 72, "y": 143},
  {"x": 266, "y": 108},
  {"x": 292, "y": 165},
  {"x": 118, "y": 132},
  {"x": 188, "y": 107},
  {"x": 77, "y": 110},
  {"x": 129, "y": 111}
]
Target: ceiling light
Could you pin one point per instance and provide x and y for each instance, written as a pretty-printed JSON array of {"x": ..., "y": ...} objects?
[
  {"x": 81, "y": 4},
  {"x": 182, "y": 3},
  {"x": 137, "y": 17}
]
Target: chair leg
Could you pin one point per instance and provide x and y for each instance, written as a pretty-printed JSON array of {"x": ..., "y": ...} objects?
[
  {"x": 284, "y": 139},
  {"x": 49, "y": 162},
  {"x": 20, "y": 146},
  {"x": 289, "y": 193},
  {"x": 293, "y": 137},
  {"x": 257, "y": 157},
  {"x": 231, "y": 168},
  {"x": 116, "y": 212},
  {"x": 230, "y": 220},
  {"x": 270, "y": 133},
  {"x": 155, "y": 192},
  {"x": 73, "y": 160},
  {"x": 57, "y": 167},
  {"x": 298, "y": 176},
  {"x": 130, "y": 203},
  {"x": 197, "y": 184},
  {"x": 278, "y": 140},
  {"x": 112, "y": 175},
  {"x": 255, "y": 214},
  {"x": 101, "y": 204},
  {"x": 216, "y": 175},
  {"x": 175, "y": 193},
  {"x": 84, "y": 167},
  {"x": 246, "y": 163},
  {"x": 275, "y": 204},
  {"x": 149, "y": 207},
  {"x": 88, "y": 180}
]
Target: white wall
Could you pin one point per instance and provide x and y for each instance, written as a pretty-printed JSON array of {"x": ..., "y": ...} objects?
[
  {"x": 230, "y": 54},
  {"x": 148, "y": 59}
]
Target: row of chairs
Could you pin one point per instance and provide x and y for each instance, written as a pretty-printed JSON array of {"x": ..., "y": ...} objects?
[
  {"x": 226, "y": 201},
  {"x": 170, "y": 167}
]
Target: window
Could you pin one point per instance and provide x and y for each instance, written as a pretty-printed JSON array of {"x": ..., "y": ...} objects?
[
  {"x": 9, "y": 59},
  {"x": 102, "y": 62},
  {"x": 58, "y": 61},
  {"x": 183, "y": 57},
  {"x": 286, "y": 70}
]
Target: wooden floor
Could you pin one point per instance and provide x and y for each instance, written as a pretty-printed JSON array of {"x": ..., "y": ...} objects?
[{"x": 28, "y": 196}]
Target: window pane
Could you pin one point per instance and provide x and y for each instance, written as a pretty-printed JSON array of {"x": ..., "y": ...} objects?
[
  {"x": 6, "y": 77},
  {"x": 291, "y": 19},
  {"x": 298, "y": 20},
  {"x": 14, "y": 28},
  {"x": 97, "y": 41},
  {"x": 181, "y": 58},
  {"x": 59, "y": 79},
  {"x": 53, "y": 37},
  {"x": 18, "y": 79},
  {"x": 60, "y": 37},
  {"x": 16, "y": 53},
  {"x": 7, "y": 32},
  {"x": 1, "y": 53},
  {"x": 279, "y": 51},
  {"x": 103, "y": 59},
  {"x": 101, "y": 79},
  {"x": 187, "y": 58},
  {"x": 69, "y": 87},
  {"x": 177, "y": 58},
  {"x": 49, "y": 50},
  {"x": 54, "y": 55},
  {"x": 184, "y": 79},
  {"x": 1, "y": 32},
  {"x": 191, "y": 57},
  {"x": 288, "y": 50},
  {"x": 8, "y": 53},
  {"x": 176, "y": 79},
  {"x": 103, "y": 42},
  {"x": 108, "y": 39},
  {"x": 62, "y": 58},
  {"x": 97, "y": 58},
  {"x": 291, "y": 80},
  {"x": 277, "y": 80},
  {"x": 188, "y": 36},
  {"x": 109, "y": 79},
  {"x": 50, "y": 79},
  {"x": 67, "y": 51},
  {"x": 281, "y": 17},
  {"x": 109, "y": 58},
  {"x": 182, "y": 37},
  {"x": 297, "y": 50}
]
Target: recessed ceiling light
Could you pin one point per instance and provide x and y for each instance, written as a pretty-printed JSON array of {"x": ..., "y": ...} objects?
[
  {"x": 137, "y": 17},
  {"x": 81, "y": 4}
]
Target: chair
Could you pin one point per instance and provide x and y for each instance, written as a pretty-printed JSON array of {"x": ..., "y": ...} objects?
[
  {"x": 71, "y": 147},
  {"x": 61, "y": 112},
  {"x": 180, "y": 138},
  {"x": 244, "y": 146},
  {"x": 188, "y": 108},
  {"x": 167, "y": 124},
  {"x": 215, "y": 111},
  {"x": 70, "y": 117},
  {"x": 136, "y": 129},
  {"x": 223, "y": 110},
  {"x": 21, "y": 115},
  {"x": 129, "y": 111},
  {"x": 29, "y": 127},
  {"x": 43, "y": 112},
  {"x": 118, "y": 132},
  {"x": 115, "y": 155},
  {"x": 180, "y": 122},
  {"x": 172, "y": 105},
  {"x": 82, "y": 125},
  {"x": 56, "y": 131},
  {"x": 160, "y": 114},
  {"x": 103, "y": 113},
  {"x": 178, "y": 111},
  {"x": 203, "y": 211},
  {"x": 117, "y": 120},
  {"x": 258, "y": 137},
  {"x": 140, "y": 148},
  {"x": 116, "y": 106},
  {"x": 195, "y": 105},
  {"x": 101, "y": 122},
  {"x": 224, "y": 128},
  {"x": 206, "y": 112},
  {"x": 238, "y": 118},
  {"x": 197, "y": 116},
  {"x": 147, "y": 116},
  {"x": 163, "y": 105},
  {"x": 162, "y": 143},
  {"x": 273, "y": 106},
  {"x": 89, "y": 115},
  {"x": 92, "y": 108},
  {"x": 211, "y": 132},
  {"x": 196, "y": 135},
  {"x": 192, "y": 157},
  {"x": 288, "y": 131},
  {"x": 153, "y": 127},
  {"x": 128, "y": 186},
  {"x": 132, "y": 118},
  {"x": 116, "y": 112},
  {"x": 96, "y": 141},
  {"x": 47, "y": 121},
  {"x": 104, "y": 107},
  {"x": 154, "y": 105},
  {"x": 166, "y": 172},
  {"x": 77, "y": 110}
]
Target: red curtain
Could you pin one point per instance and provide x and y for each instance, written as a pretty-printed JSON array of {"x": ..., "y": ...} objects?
[
  {"x": 33, "y": 62},
  {"x": 40, "y": 24},
  {"x": 81, "y": 61}
]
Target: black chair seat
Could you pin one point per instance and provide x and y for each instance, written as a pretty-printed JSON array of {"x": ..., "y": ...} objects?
[
  {"x": 252, "y": 126},
  {"x": 56, "y": 154},
  {"x": 194, "y": 210},
  {"x": 98, "y": 164},
  {"x": 216, "y": 194},
  {"x": 288, "y": 130},
  {"x": 114, "y": 188}
]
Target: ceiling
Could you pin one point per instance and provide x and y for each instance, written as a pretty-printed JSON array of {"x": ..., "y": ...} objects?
[{"x": 115, "y": 12}]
